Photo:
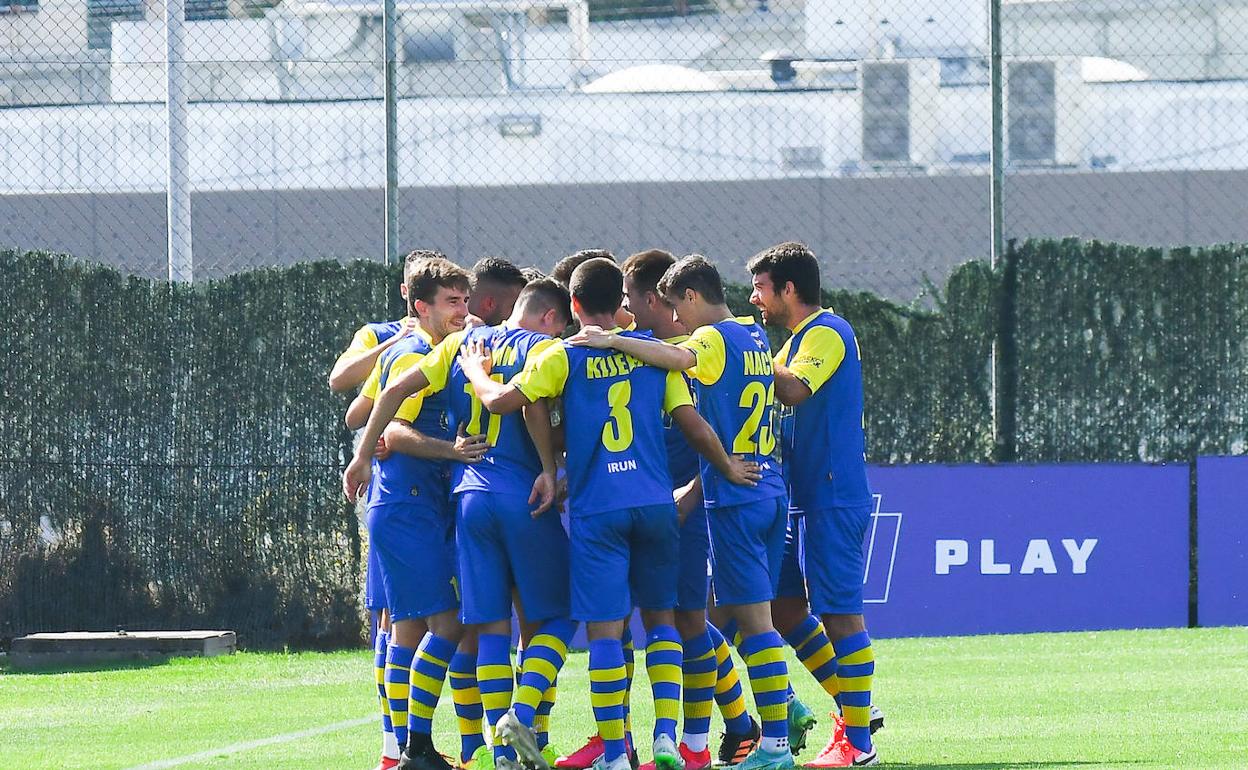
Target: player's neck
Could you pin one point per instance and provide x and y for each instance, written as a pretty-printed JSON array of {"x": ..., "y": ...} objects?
[
  {"x": 666, "y": 330},
  {"x": 602, "y": 320},
  {"x": 716, "y": 313},
  {"x": 799, "y": 313},
  {"x": 427, "y": 328}
]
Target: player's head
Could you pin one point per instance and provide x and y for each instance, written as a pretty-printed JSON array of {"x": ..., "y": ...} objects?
[
  {"x": 543, "y": 306},
  {"x": 597, "y": 289},
  {"x": 694, "y": 289},
  {"x": 411, "y": 259},
  {"x": 562, "y": 272},
  {"x": 437, "y": 294},
  {"x": 532, "y": 274},
  {"x": 785, "y": 278},
  {"x": 495, "y": 285},
  {"x": 642, "y": 272}
]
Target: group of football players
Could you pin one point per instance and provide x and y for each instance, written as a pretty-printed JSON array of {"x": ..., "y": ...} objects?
[{"x": 717, "y": 488}]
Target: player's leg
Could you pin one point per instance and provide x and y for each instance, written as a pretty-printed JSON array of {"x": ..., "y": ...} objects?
[
  {"x": 601, "y": 599},
  {"x": 836, "y": 595},
  {"x": 537, "y": 552},
  {"x": 655, "y": 558},
  {"x": 485, "y": 593},
  {"x": 466, "y": 696},
  {"x": 529, "y": 629},
  {"x": 699, "y": 667},
  {"x": 741, "y": 731},
  {"x": 748, "y": 545}
]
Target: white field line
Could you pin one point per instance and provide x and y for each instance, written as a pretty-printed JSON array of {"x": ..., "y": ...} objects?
[{"x": 235, "y": 748}]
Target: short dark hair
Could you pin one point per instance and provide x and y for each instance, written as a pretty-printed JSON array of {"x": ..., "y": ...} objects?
[
  {"x": 696, "y": 272},
  {"x": 647, "y": 267},
  {"x": 564, "y": 268},
  {"x": 789, "y": 262},
  {"x": 417, "y": 255},
  {"x": 425, "y": 275},
  {"x": 497, "y": 271},
  {"x": 532, "y": 274},
  {"x": 544, "y": 294},
  {"x": 598, "y": 285}
]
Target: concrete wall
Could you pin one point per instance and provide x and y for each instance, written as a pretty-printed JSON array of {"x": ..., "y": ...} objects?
[{"x": 882, "y": 234}]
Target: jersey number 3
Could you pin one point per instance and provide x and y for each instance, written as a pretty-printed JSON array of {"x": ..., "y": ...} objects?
[
  {"x": 755, "y": 437},
  {"x": 617, "y": 434}
]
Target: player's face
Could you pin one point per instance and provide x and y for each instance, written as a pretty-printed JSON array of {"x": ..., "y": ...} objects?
[
  {"x": 447, "y": 312},
  {"x": 638, "y": 303},
  {"x": 685, "y": 309},
  {"x": 765, "y": 298}
]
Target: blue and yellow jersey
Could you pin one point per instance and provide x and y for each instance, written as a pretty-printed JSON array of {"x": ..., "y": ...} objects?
[
  {"x": 613, "y": 407},
  {"x": 822, "y": 439},
  {"x": 736, "y": 391},
  {"x": 682, "y": 459},
  {"x": 371, "y": 335},
  {"x": 512, "y": 463},
  {"x": 403, "y": 478}
]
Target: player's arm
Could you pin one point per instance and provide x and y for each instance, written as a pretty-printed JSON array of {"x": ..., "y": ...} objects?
[
  {"x": 543, "y": 376},
  {"x": 401, "y": 436},
  {"x": 648, "y": 351},
  {"x": 357, "y": 361},
  {"x": 688, "y": 498},
  {"x": 817, "y": 358},
  {"x": 358, "y": 411},
  {"x": 678, "y": 403},
  {"x": 537, "y": 422}
]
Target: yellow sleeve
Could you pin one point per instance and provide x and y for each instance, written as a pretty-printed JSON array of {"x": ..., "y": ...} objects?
[
  {"x": 372, "y": 386},
  {"x": 409, "y": 410},
  {"x": 365, "y": 339},
  {"x": 818, "y": 356},
  {"x": 676, "y": 393},
  {"x": 544, "y": 374},
  {"x": 710, "y": 356},
  {"x": 437, "y": 365}
]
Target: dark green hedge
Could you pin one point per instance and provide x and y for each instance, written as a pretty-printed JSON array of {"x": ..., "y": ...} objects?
[{"x": 170, "y": 453}]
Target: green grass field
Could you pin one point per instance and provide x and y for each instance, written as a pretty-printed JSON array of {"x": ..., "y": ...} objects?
[{"x": 1175, "y": 698}]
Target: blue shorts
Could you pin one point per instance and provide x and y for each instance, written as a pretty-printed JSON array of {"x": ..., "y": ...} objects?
[
  {"x": 792, "y": 578},
  {"x": 835, "y": 559},
  {"x": 501, "y": 545},
  {"x": 374, "y": 593},
  {"x": 747, "y": 546},
  {"x": 415, "y": 547},
  {"x": 693, "y": 581},
  {"x": 624, "y": 559}
]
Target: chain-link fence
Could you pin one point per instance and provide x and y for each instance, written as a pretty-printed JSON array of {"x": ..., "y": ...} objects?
[{"x": 529, "y": 128}]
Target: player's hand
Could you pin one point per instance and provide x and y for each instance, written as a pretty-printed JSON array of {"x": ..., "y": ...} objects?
[
  {"x": 743, "y": 472},
  {"x": 472, "y": 321},
  {"x": 561, "y": 492},
  {"x": 469, "y": 449},
  {"x": 382, "y": 450},
  {"x": 356, "y": 477},
  {"x": 407, "y": 327},
  {"x": 592, "y": 337},
  {"x": 543, "y": 494},
  {"x": 474, "y": 356},
  {"x": 688, "y": 498}
]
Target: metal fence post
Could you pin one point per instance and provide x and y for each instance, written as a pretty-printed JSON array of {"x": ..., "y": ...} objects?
[
  {"x": 390, "y": 46},
  {"x": 996, "y": 223},
  {"x": 177, "y": 158}
]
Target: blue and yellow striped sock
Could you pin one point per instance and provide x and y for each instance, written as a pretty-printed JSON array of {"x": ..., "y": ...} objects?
[
  {"x": 398, "y": 691},
  {"x": 815, "y": 652},
  {"x": 663, "y": 666},
  {"x": 542, "y": 660},
  {"x": 728, "y": 694},
  {"x": 541, "y": 723},
  {"x": 732, "y": 633},
  {"x": 630, "y": 657},
  {"x": 429, "y": 667},
  {"x": 467, "y": 699},
  {"x": 769, "y": 681},
  {"x": 380, "y": 648},
  {"x": 699, "y": 672},
  {"x": 495, "y": 678},
  {"x": 855, "y": 666},
  {"x": 607, "y": 683}
]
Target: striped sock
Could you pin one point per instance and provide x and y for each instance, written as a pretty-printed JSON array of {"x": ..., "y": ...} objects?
[
  {"x": 815, "y": 652},
  {"x": 542, "y": 660},
  {"x": 495, "y": 677},
  {"x": 398, "y": 675},
  {"x": 607, "y": 683},
  {"x": 429, "y": 666},
  {"x": 698, "y": 669},
  {"x": 630, "y": 656},
  {"x": 389, "y": 746},
  {"x": 769, "y": 680},
  {"x": 467, "y": 699},
  {"x": 732, "y": 633},
  {"x": 855, "y": 666},
  {"x": 728, "y": 694},
  {"x": 541, "y": 723},
  {"x": 663, "y": 659}
]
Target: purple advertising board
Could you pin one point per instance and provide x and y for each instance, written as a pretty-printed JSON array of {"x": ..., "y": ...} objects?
[
  {"x": 1020, "y": 548},
  {"x": 1222, "y": 541}
]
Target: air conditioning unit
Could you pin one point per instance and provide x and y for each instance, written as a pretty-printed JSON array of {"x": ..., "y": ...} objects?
[
  {"x": 899, "y": 118},
  {"x": 1044, "y": 112}
]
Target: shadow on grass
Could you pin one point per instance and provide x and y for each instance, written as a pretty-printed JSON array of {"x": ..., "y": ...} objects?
[
  {"x": 8, "y": 669},
  {"x": 1008, "y": 765}
]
